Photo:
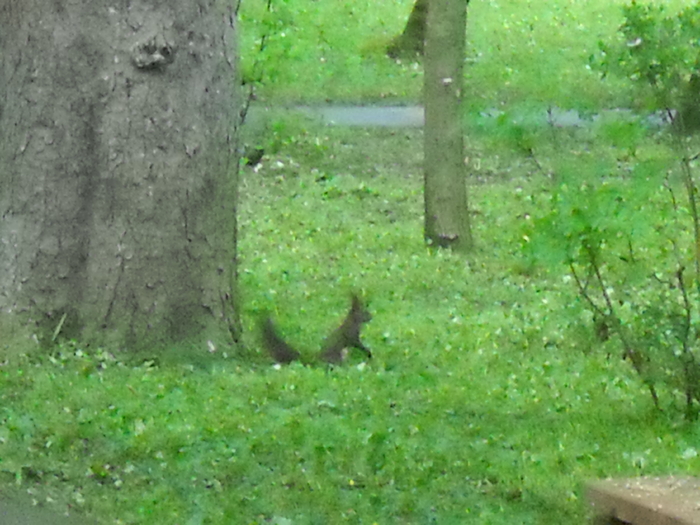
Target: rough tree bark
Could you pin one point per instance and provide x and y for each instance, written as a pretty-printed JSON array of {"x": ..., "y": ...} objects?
[
  {"x": 118, "y": 175},
  {"x": 446, "y": 209}
]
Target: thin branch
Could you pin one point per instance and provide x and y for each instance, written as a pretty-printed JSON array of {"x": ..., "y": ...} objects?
[
  {"x": 629, "y": 352},
  {"x": 258, "y": 71}
]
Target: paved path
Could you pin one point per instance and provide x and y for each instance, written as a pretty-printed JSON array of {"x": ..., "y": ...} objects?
[
  {"x": 20, "y": 511},
  {"x": 413, "y": 116}
]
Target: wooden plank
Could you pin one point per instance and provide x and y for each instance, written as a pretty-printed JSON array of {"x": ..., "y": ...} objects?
[{"x": 647, "y": 500}]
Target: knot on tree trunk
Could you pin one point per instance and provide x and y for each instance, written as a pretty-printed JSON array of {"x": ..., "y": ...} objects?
[{"x": 152, "y": 53}]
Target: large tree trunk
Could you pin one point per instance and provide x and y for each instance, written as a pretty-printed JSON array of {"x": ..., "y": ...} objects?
[
  {"x": 118, "y": 176},
  {"x": 446, "y": 211}
]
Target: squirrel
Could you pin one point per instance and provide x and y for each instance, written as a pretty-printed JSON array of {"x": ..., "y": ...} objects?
[
  {"x": 347, "y": 335},
  {"x": 336, "y": 346}
]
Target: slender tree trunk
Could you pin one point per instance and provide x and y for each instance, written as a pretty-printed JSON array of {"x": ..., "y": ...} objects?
[
  {"x": 446, "y": 210},
  {"x": 411, "y": 42},
  {"x": 118, "y": 176}
]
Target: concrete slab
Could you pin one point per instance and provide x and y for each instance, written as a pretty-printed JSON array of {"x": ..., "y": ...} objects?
[{"x": 647, "y": 500}]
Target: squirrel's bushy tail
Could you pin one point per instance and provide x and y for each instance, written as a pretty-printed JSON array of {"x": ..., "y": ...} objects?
[{"x": 278, "y": 348}]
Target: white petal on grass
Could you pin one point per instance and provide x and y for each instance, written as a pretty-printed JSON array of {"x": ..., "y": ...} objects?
[{"x": 689, "y": 453}]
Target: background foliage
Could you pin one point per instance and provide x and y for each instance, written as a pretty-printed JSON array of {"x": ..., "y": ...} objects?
[
  {"x": 493, "y": 396},
  {"x": 318, "y": 51}
]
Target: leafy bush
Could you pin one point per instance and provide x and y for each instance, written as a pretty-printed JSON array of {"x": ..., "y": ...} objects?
[
  {"x": 630, "y": 246},
  {"x": 661, "y": 53}
]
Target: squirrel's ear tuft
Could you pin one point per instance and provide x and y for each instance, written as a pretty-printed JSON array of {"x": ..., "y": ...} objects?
[{"x": 356, "y": 301}]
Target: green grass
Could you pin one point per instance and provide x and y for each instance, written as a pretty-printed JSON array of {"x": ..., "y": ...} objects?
[
  {"x": 489, "y": 399},
  {"x": 520, "y": 53}
]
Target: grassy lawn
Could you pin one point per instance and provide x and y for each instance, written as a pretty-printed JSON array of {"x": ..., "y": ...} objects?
[
  {"x": 489, "y": 400},
  {"x": 520, "y": 53}
]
